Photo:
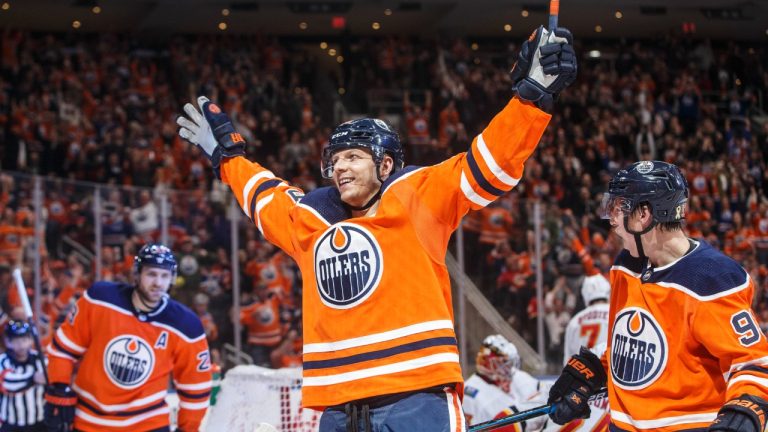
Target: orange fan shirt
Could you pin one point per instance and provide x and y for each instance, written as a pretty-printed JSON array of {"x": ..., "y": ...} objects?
[
  {"x": 126, "y": 358},
  {"x": 377, "y": 314},
  {"x": 683, "y": 340}
]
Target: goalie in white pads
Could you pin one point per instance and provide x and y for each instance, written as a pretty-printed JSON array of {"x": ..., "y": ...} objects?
[{"x": 500, "y": 388}]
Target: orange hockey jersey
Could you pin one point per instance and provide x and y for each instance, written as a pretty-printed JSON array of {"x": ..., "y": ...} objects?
[
  {"x": 376, "y": 296},
  {"x": 126, "y": 358},
  {"x": 682, "y": 341}
]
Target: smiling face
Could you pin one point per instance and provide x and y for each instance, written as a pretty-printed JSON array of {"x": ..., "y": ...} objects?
[{"x": 354, "y": 174}]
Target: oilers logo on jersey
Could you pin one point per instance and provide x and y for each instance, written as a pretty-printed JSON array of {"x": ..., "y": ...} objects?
[
  {"x": 348, "y": 265},
  {"x": 128, "y": 361},
  {"x": 639, "y": 349}
]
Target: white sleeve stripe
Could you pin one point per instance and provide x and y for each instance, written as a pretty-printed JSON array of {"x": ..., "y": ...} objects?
[
  {"x": 493, "y": 166},
  {"x": 763, "y": 382},
  {"x": 199, "y": 386},
  {"x": 470, "y": 193},
  {"x": 249, "y": 185},
  {"x": 735, "y": 367},
  {"x": 68, "y": 343},
  {"x": 56, "y": 353},
  {"x": 193, "y": 405},
  {"x": 260, "y": 205}
]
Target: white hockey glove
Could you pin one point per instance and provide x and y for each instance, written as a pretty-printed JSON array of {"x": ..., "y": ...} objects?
[
  {"x": 546, "y": 65},
  {"x": 211, "y": 129}
]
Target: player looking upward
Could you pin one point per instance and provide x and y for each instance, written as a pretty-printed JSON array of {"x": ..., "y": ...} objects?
[
  {"x": 685, "y": 352},
  {"x": 380, "y": 349},
  {"x": 128, "y": 341}
]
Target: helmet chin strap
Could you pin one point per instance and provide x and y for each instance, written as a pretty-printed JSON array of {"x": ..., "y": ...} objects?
[
  {"x": 374, "y": 198},
  {"x": 637, "y": 234},
  {"x": 367, "y": 205},
  {"x": 143, "y": 300}
]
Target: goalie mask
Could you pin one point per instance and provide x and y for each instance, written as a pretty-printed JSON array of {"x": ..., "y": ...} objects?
[{"x": 498, "y": 360}]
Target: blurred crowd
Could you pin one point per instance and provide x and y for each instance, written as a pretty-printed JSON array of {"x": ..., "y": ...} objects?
[{"x": 83, "y": 110}]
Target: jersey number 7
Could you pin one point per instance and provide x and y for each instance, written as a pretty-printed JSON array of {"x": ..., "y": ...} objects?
[{"x": 592, "y": 331}]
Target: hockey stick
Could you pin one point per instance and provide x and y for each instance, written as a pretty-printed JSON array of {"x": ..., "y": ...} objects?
[
  {"x": 525, "y": 415},
  {"x": 31, "y": 319},
  {"x": 554, "y": 10}
]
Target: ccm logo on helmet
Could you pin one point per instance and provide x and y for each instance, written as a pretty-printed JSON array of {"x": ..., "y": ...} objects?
[
  {"x": 339, "y": 134},
  {"x": 639, "y": 349},
  {"x": 348, "y": 265}
]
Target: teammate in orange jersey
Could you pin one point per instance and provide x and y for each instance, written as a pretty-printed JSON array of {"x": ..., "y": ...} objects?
[
  {"x": 128, "y": 340},
  {"x": 380, "y": 349},
  {"x": 685, "y": 352}
]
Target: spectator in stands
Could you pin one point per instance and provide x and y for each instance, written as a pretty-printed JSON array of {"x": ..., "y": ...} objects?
[
  {"x": 201, "y": 309},
  {"x": 260, "y": 313}
]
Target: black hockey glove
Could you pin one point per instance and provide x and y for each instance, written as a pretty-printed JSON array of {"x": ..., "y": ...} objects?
[
  {"x": 59, "y": 410},
  {"x": 212, "y": 131},
  {"x": 745, "y": 413},
  {"x": 581, "y": 378},
  {"x": 545, "y": 66}
]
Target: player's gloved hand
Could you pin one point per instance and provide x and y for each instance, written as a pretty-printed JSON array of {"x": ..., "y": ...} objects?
[
  {"x": 546, "y": 65},
  {"x": 60, "y": 401},
  {"x": 745, "y": 413},
  {"x": 581, "y": 378},
  {"x": 212, "y": 130}
]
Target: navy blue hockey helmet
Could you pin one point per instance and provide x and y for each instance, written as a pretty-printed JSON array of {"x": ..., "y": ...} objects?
[
  {"x": 16, "y": 329},
  {"x": 372, "y": 134},
  {"x": 659, "y": 184},
  {"x": 155, "y": 255}
]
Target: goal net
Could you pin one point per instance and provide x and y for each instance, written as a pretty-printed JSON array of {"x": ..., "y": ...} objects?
[{"x": 251, "y": 395}]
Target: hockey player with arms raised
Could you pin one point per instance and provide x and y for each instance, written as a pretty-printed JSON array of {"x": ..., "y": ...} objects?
[
  {"x": 685, "y": 352},
  {"x": 380, "y": 349},
  {"x": 128, "y": 341}
]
